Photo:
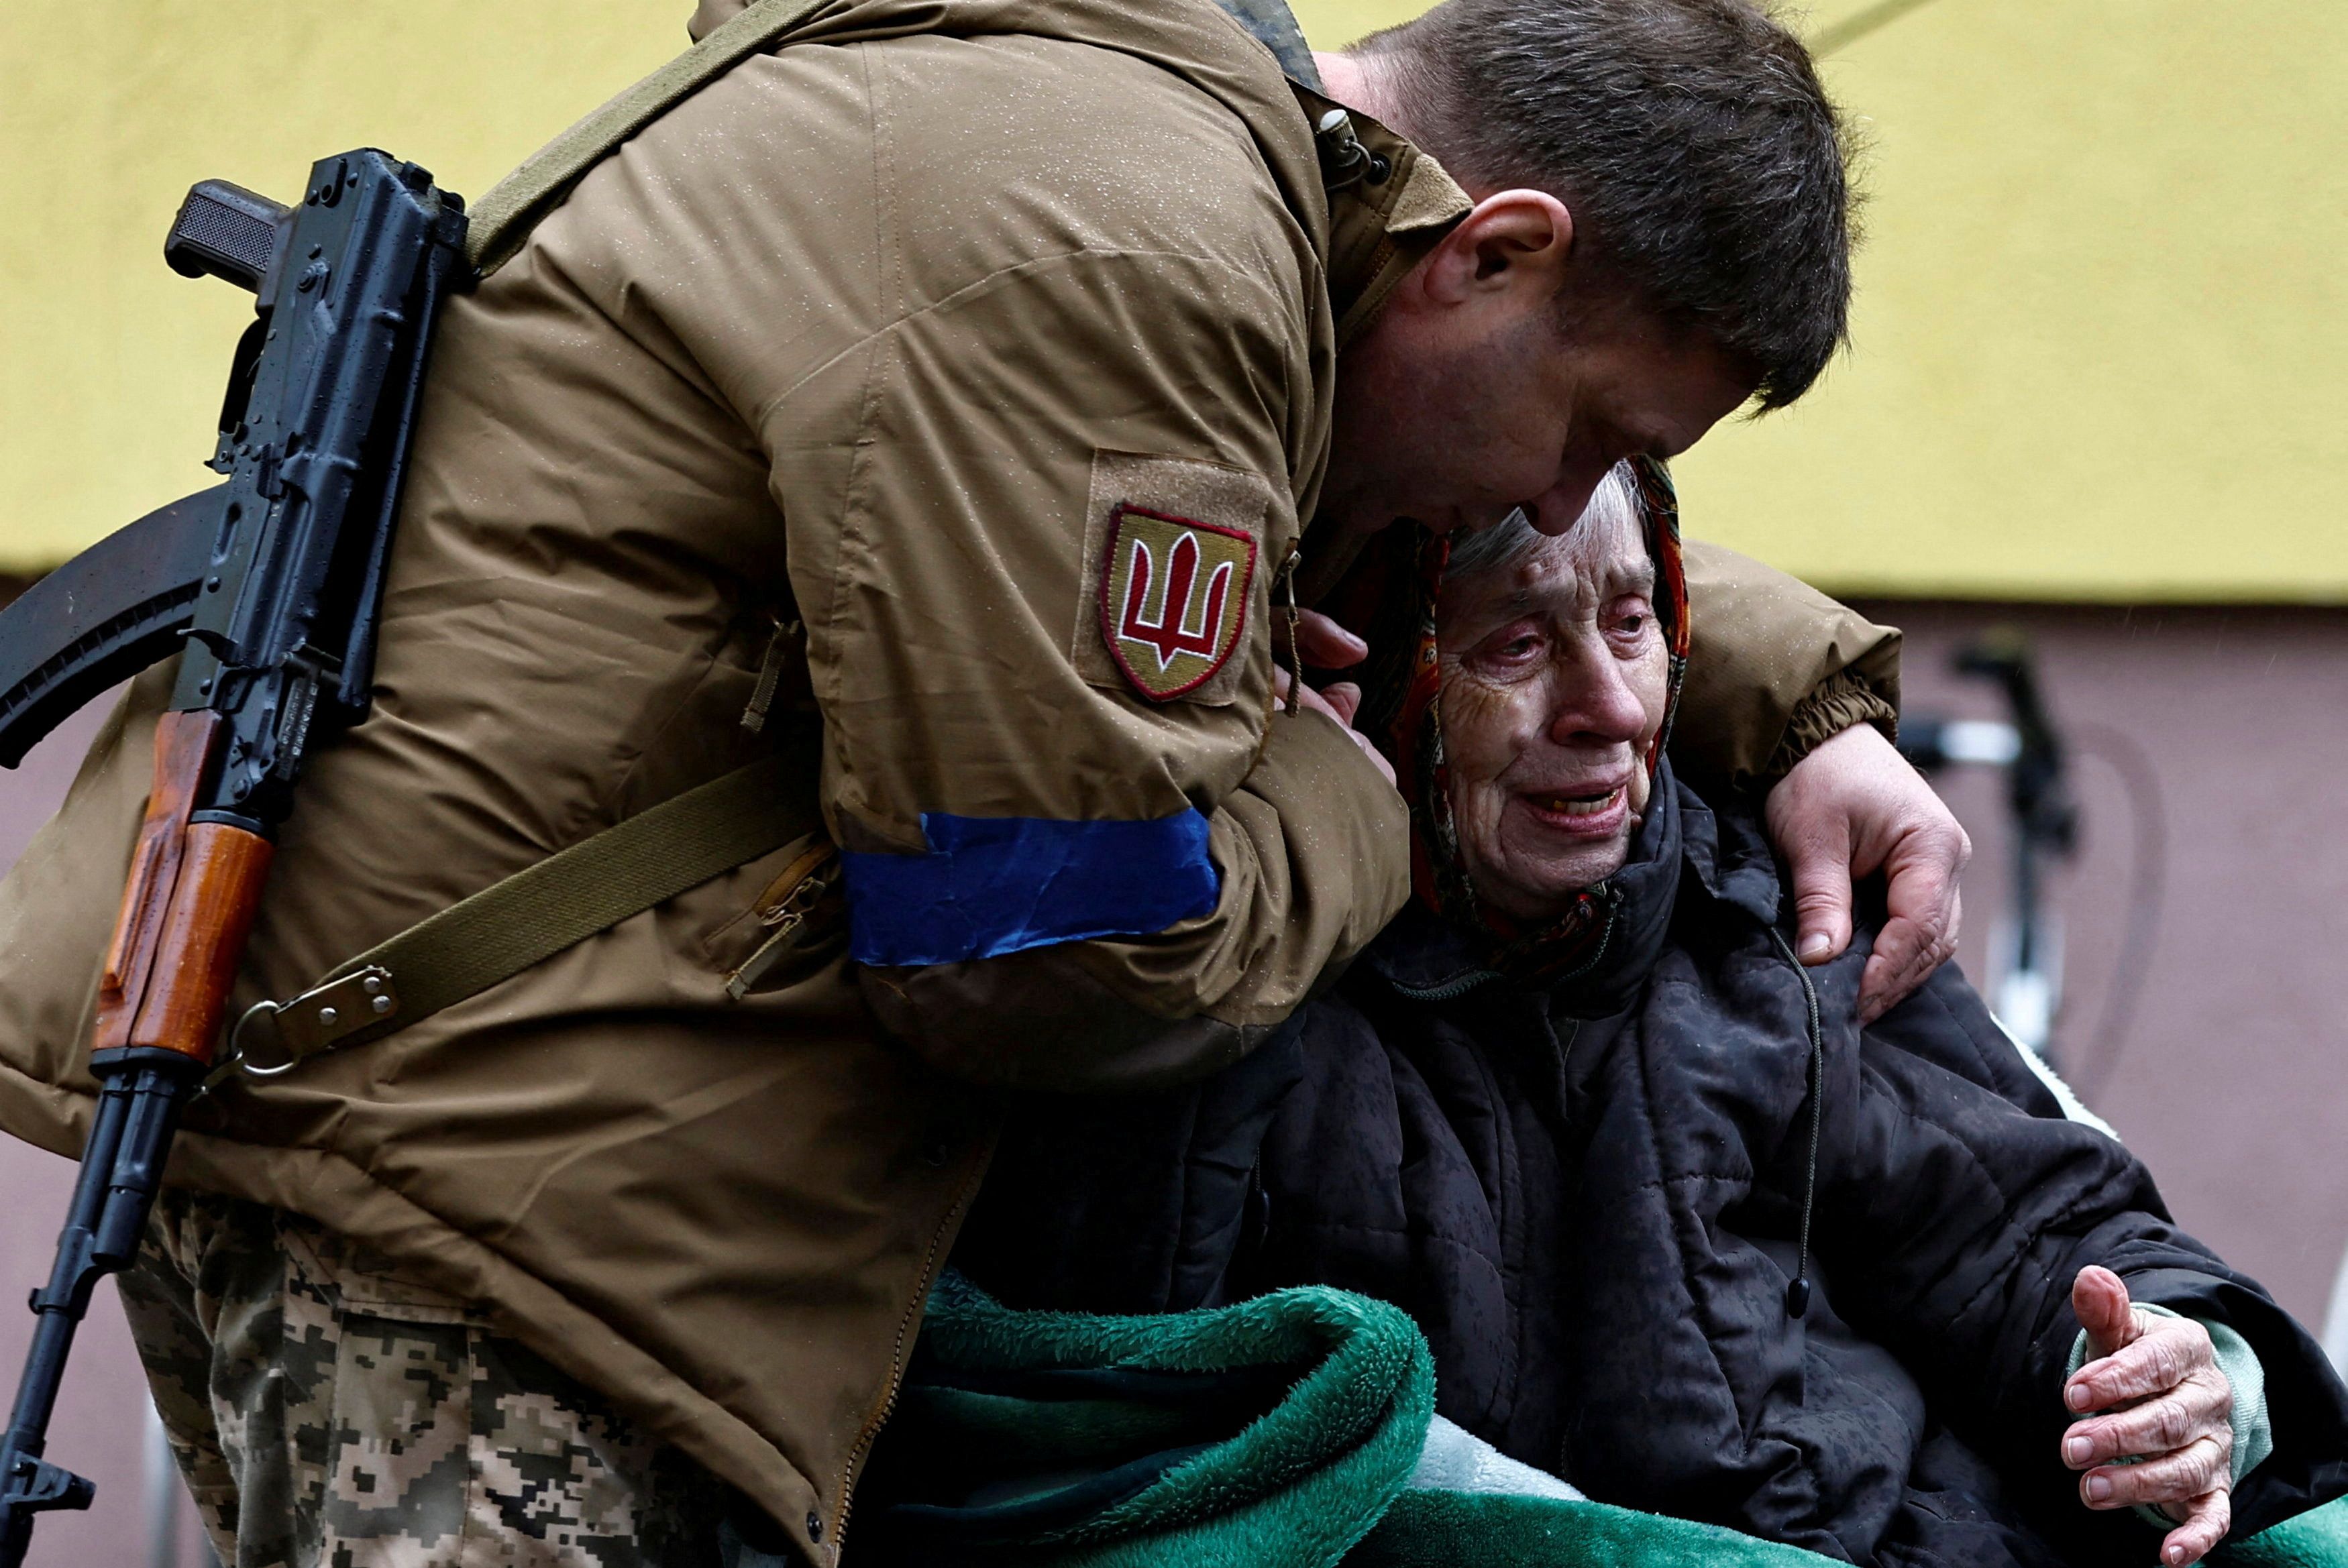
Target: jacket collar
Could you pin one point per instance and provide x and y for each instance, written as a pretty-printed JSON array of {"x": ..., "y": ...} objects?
[
  {"x": 1275, "y": 27},
  {"x": 1426, "y": 958},
  {"x": 1683, "y": 850},
  {"x": 1384, "y": 222},
  {"x": 1727, "y": 857}
]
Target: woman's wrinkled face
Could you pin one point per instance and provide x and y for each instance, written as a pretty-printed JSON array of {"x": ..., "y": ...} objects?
[{"x": 1554, "y": 679}]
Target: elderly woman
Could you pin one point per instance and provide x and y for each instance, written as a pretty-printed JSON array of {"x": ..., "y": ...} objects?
[{"x": 1678, "y": 1228}]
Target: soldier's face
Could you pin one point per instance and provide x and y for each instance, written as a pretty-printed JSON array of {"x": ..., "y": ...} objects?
[{"x": 1483, "y": 387}]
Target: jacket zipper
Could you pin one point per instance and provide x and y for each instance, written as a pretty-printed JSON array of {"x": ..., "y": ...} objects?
[
  {"x": 1295, "y": 664},
  {"x": 1605, "y": 941},
  {"x": 1444, "y": 992},
  {"x": 862, "y": 1448},
  {"x": 783, "y": 919},
  {"x": 782, "y": 641}
]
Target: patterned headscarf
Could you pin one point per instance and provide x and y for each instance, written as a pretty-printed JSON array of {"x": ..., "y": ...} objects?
[{"x": 1391, "y": 595}]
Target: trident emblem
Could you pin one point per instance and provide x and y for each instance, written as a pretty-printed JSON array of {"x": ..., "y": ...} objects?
[
  {"x": 1177, "y": 588},
  {"x": 1174, "y": 632}
]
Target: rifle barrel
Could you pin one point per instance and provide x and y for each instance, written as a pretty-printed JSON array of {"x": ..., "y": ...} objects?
[{"x": 139, "y": 1096}]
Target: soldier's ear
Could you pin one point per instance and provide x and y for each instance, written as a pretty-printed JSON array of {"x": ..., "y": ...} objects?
[{"x": 1513, "y": 243}]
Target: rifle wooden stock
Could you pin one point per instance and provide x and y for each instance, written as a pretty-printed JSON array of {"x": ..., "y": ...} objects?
[{"x": 193, "y": 891}]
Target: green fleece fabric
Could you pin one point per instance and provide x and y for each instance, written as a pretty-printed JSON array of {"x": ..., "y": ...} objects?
[
  {"x": 1297, "y": 1452},
  {"x": 2316, "y": 1539},
  {"x": 1298, "y": 1485},
  {"x": 1439, "y": 1528},
  {"x": 1444, "y": 1528}
]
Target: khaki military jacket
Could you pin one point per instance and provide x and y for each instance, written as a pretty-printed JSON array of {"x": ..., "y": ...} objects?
[{"x": 985, "y": 347}]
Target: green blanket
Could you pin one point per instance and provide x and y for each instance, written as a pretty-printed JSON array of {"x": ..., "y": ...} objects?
[
  {"x": 1282, "y": 1432},
  {"x": 1427, "y": 1528}
]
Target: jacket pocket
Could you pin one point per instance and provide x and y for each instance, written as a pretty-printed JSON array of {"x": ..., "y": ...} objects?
[{"x": 796, "y": 927}]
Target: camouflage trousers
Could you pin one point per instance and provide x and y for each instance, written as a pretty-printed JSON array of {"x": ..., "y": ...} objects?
[{"x": 327, "y": 1414}]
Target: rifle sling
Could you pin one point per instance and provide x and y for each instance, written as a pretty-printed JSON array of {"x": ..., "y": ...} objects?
[
  {"x": 503, "y": 218},
  {"x": 537, "y": 912}
]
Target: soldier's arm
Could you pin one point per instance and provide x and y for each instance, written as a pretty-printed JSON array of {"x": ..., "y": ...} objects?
[
  {"x": 1082, "y": 846},
  {"x": 1777, "y": 672},
  {"x": 1036, "y": 568},
  {"x": 1777, "y": 669}
]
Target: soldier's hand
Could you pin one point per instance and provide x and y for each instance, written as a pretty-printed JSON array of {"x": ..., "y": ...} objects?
[
  {"x": 2165, "y": 1404},
  {"x": 1322, "y": 644},
  {"x": 1849, "y": 809}
]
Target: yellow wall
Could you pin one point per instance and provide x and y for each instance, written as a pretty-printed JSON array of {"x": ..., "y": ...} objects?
[
  {"x": 111, "y": 366},
  {"x": 2101, "y": 341},
  {"x": 2102, "y": 351}
]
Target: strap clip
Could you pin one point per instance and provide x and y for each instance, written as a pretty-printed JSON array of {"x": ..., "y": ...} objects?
[{"x": 272, "y": 1037}]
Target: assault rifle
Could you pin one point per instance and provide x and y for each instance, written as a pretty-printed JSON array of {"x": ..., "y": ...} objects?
[{"x": 268, "y": 586}]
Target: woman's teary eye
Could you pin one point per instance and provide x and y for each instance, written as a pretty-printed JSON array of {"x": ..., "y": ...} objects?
[
  {"x": 1508, "y": 649},
  {"x": 1630, "y": 620}
]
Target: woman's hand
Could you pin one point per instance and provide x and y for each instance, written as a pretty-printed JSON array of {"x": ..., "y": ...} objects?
[
  {"x": 1849, "y": 809},
  {"x": 2163, "y": 1398}
]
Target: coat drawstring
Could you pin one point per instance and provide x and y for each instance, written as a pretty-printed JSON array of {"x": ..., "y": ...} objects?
[{"x": 1797, "y": 1291}]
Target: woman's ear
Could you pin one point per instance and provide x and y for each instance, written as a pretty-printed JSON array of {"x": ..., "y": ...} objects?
[{"x": 1513, "y": 243}]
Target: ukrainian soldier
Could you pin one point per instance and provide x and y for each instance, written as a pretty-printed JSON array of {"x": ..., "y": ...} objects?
[{"x": 925, "y": 400}]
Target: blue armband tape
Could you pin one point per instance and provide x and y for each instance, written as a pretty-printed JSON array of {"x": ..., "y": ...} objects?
[{"x": 996, "y": 885}]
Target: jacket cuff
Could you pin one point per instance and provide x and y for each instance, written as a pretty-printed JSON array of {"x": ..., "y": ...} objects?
[
  {"x": 1842, "y": 702},
  {"x": 2253, "y": 1430}
]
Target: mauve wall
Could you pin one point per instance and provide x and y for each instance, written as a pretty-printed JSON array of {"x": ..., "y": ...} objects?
[
  {"x": 100, "y": 1429},
  {"x": 2229, "y": 1080},
  {"x": 2232, "y": 1078}
]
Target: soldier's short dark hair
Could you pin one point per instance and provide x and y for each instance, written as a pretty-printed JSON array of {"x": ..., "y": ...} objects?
[{"x": 1690, "y": 137}]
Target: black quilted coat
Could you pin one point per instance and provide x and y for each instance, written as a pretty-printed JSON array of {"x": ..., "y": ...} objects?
[{"x": 1591, "y": 1201}]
